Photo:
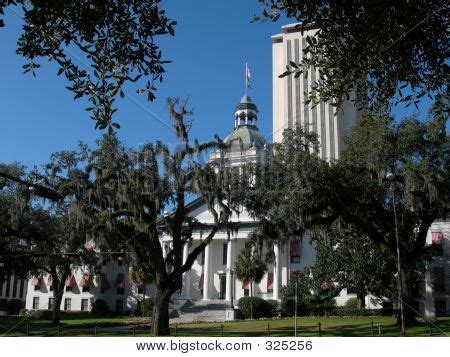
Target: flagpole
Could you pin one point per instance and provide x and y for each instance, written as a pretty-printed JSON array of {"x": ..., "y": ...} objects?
[{"x": 246, "y": 79}]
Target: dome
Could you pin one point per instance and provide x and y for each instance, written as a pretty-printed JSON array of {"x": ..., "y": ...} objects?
[
  {"x": 249, "y": 136},
  {"x": 246, "y": 103}
]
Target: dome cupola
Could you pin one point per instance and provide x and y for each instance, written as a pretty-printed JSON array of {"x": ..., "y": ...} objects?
[{"x": 246, "y": 113}]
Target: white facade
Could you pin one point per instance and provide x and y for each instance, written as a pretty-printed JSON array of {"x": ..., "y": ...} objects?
[
  {"x": 436, "y": 281},
  {"x": 290, "y": 93},
  {"x": 211, "y": 276},
  {"x": 121, "y": 295}
]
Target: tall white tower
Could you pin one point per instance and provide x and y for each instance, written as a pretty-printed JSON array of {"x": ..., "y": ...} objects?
[{"x": 289, "y": 94}]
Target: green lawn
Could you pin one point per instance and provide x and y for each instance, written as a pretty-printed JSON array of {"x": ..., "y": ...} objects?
[{"x": 307, "y": 326}]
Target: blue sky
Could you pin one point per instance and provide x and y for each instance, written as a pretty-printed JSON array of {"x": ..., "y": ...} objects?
[{"x": 213, "y": 40}]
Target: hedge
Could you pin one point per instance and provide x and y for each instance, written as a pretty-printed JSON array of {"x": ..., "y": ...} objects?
[
  {"x": 261, "y": 307},
  {"x": 100, "y": 308},
  {"x": 12, "y": 307},
  {"x": 64, "y": 315},
  {"x": 307, "y": 307},
  {"x": 343, "y": 311}
]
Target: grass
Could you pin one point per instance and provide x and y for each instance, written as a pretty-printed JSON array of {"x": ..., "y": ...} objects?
[{"x": 307, "y": 326}]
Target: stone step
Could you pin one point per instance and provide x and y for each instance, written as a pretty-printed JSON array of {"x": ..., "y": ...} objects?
[{"x": 201, "y": 310}]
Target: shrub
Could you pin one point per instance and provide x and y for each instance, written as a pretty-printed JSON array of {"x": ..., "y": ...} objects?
[
  {"x": 100, "y": 308},
  {"x": 388, "y": 308},
  {"x": 275, "y": 307},
  {"x": 14, "y": 306},
  {"x": 64, "y": 315},
  {"x": 345, "y": 312},
  {"x": 351, "y": 303},
  {"x": 40, "y": 314},
  {"x": 307, "y": 306},
  {"x": 261, "y": 307},
  {"x": 3, "y": 305},
  {"x": 146, "y": 307},
  {"x": 23, "y": 312}
]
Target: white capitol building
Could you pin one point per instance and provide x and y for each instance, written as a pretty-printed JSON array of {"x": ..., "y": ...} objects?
[{"x": 211, "y": 279}]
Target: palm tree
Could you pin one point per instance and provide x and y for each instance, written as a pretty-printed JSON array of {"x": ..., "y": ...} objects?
[{"x": 250, "y": 267}]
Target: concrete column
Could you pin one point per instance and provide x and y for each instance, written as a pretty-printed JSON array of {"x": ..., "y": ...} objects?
[
  {"x": 276, "y": 273},
  {"x": 187, "y": 275},
  {"x": 229, "y": 281},
  {"x": 206, "y": 272},
  {"x": 430, "y": 310}
]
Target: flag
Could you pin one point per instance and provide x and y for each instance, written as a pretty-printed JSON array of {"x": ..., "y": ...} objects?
[{"x": 247, "y": 75}]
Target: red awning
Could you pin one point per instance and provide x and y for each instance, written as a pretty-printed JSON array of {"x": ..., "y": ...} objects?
[
  {"x": 36, "y": 280},
  {"x": 120, "y": 281},
  {"x": 269, "y": 281},
  {"x": 50, "y": 281},
  {"x": 85, "y": 280},
  {"x": 88, "y": 247},
  {"x": 246, "y": 284},
  {"x": 295, "y": 248},
  {"x": 200, "y": 282},
  {"x": 70, "y": 281},
  {"x": 104, "y": 283},
  {"x": 436, "y": 237}
]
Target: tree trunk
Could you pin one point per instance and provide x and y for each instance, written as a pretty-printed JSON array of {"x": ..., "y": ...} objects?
[
  {"x": 409, "y": 296},
  {"x": 161, "y": 313},
  {"x": 361, "y": 305},
  {"x": 251, "y": 300},
  {"x": 57, "y": 298}
]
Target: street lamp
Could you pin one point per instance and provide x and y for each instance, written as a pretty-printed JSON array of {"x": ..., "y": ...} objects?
[{"x": 390, "y": 176}]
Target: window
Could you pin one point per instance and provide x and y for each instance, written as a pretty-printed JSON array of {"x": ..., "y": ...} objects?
[
  {"x": 224, "y": 254},
  {"x": 119, "y": 306},
  {"x": 246, "y": 292},
  {"x": 295, "y": 259},
  {"x": 50, "y": 288},
  {"x": 120, "y": 291},
  {"x": 140, "y": 290},
  {"x": 84, "y": 304},
  {"x": 51, "y": 303},
  {"x": 37, "y": 288},
  {"x": 68, "y": 304},
  {"x": 68, "y": 288},
  {"x": 85, "y": 289},
  {"x": 35, "y": 303}
]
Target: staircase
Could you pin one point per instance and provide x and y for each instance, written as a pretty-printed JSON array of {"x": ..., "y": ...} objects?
[{"x": 199, "y": 310}]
